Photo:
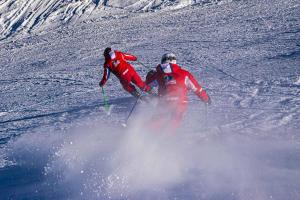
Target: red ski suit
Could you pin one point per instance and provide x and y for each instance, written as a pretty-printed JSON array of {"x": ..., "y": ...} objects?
[
  {"x": 116, "y": 63},
  {"x": 173, "y": 86}
]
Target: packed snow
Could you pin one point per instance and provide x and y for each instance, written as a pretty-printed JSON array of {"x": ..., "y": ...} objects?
[
  {"x": 27, "y": 15},
  {"x": 57, "y": 141}
]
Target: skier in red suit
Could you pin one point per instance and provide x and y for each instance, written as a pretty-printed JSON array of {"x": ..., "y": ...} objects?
[
  {"x": 173, "y": 86},
  {"x": 115, "y": 62}
]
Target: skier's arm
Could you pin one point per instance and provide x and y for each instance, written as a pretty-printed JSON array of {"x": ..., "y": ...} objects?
[
  {"x": 105, "y": 77},
  {"x": 129, "y": 57},
  {"x": 193, "y": 84},
  {"x": 151, "y": 76}
]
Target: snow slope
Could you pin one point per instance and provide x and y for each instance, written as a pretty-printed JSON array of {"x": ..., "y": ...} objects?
[
  {"x": 26, "y": 15},
  {"x": 56, "y": 141}
]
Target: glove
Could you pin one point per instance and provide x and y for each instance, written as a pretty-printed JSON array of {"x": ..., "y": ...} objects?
[{"x": 101, "y": 83}]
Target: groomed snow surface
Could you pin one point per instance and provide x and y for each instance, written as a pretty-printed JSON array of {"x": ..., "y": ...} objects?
[
  {"x": 26, "y": 15},
  {"x": 57, "y": 141}
]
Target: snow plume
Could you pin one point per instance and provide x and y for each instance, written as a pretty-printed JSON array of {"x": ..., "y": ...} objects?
[
  {"x": 95, "y": 160},
  {"x": 113, "y": 162}
]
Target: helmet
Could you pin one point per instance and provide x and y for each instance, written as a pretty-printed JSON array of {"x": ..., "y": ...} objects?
[
  {"x": 106, "y": 51},
  {"x": 168, "y": 58},
  {"x": 109, "y": 54}
]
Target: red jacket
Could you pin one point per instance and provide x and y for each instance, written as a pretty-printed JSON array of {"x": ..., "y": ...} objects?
[
  {"x": 175, "y": 82},
  {"x": 116, "y": 63}
]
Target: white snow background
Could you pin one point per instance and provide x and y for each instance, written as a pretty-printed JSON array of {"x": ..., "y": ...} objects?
[{"x": 57, "y": 142}]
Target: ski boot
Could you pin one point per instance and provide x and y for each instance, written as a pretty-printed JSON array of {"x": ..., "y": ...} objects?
[{"x": 136, "y": 94}]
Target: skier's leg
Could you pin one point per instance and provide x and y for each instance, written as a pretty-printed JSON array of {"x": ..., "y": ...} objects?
[
  {"x": 130, "y": 88},
  {"x": 136, "y": 79},
  {"x": 178, "y": 112},
  {"x": 159, "y": 122},
  {"x": 161, "y": 118}
]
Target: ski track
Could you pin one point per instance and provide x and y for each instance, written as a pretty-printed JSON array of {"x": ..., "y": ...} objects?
[
  {"x": 27, "y": 15},
  {"x": 54, "y": 130}
]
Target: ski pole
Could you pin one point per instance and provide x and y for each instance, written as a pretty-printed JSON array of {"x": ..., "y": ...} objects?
[
  {"x": 106, "y": 106},
  {"x": 206, "y": 126},
  {"x": 131, "y": 111}
]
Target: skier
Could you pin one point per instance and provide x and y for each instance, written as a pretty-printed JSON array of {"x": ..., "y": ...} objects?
[
  {"x": 115, "y": 62},
  {"x": 173, "y": 86}
]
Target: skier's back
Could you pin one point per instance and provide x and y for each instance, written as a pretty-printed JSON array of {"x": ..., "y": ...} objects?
[{"x": 173, "y": 86}]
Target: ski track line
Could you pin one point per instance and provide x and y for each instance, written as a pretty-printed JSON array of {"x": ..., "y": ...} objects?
[{"x": 70, "y": 111}]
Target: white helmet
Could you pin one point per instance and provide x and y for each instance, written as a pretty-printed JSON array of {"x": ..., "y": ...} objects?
[{"x": 168, "y": 58}]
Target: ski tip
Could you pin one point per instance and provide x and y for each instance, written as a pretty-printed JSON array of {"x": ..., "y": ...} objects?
[
  {"x": 107, "y": 110},
  {"x": 124, "y": 125},
  {"x": 110, "y": 109}
]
